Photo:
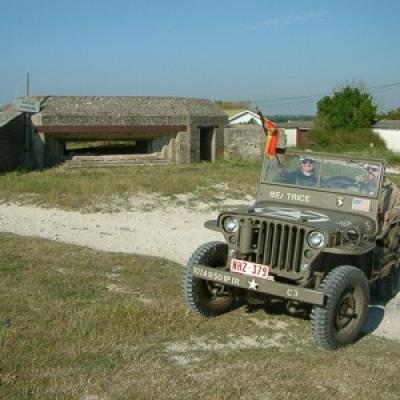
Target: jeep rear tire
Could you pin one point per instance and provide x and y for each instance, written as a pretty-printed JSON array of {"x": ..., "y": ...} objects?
[
  {"x": 389, "y": 285},
  {"x": 339, "y": 321},
  {"x": 201, "y": 296}
]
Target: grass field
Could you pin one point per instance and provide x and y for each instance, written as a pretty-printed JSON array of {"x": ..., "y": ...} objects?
[
  {"x": 95, "y": 189},
  {"x": 81, "y": 324}
]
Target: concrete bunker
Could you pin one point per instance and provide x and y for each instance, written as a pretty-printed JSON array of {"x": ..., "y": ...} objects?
[{"x": 109, "y": 130}]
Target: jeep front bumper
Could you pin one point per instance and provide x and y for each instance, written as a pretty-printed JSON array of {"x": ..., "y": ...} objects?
[{"x": 270, "y": 287}]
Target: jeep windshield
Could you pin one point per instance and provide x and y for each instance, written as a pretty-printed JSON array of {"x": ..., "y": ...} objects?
[{"x": 353, "y": 177}]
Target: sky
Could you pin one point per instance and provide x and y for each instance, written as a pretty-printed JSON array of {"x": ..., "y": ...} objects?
[{"x": 282, "y": 56}]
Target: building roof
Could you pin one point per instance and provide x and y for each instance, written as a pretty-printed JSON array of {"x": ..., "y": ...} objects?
[
  {"x": 252, "y": 115},
  {"x": 244, "y": 112},
  {"x": 7, "y": 116},
  {"x": 231, "y": 112},
  {"x": 116, "y": 110},
  {"x": 129, "y": 105},
  {"x": 387, "y": 124},
  {"x": 8, "y": 113},
  {"x": 296, "y": 125}
]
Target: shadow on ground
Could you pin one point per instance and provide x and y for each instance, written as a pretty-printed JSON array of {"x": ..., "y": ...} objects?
[{"x": 376, "y": 313}]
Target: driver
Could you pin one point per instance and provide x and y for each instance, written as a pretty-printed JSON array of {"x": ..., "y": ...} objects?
[{"x": 305, "y": 174}]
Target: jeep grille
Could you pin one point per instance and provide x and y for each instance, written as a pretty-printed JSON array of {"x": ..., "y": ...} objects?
[{"x": 278, "y": 245}]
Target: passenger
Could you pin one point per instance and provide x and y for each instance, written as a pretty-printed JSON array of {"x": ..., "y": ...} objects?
[
  {"x": 305, "y": 175},
  {"x": 389, "y": 203},
  {"x": 370, "y": 181},
  {"x": 389, "y": 199}
]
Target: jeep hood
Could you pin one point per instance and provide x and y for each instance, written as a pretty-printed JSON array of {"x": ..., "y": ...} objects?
[{"x": 322, "y": 219}]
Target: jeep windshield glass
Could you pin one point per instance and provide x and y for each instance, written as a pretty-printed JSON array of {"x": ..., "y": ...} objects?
[{"x": 343, "y": 176}]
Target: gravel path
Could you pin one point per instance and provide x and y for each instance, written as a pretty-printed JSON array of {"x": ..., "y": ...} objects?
[
  {"x": 168, "y": 233},
  {"x": 175, "y": 233}
]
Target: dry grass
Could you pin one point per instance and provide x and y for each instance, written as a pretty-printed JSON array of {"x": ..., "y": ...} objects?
[
  {"x": 85, "y": 189},
  {"x": 81, "y": 324}
]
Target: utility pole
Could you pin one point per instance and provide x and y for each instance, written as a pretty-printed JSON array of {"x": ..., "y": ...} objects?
[
  {"x": 27, "y": 85},
  {"x": 26, "y": 123},
  {"x": 27, "y": 106}
]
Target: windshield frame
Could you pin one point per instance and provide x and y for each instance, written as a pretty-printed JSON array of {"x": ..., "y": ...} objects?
[{"x": 321, "y": 158}]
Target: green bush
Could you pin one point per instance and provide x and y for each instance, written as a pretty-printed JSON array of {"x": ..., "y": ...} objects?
[
  {"x": 345, "y": 140},
  {"x": 349, "y": 108}
]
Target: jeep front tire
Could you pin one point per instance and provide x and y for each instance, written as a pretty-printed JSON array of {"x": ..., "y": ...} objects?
[
  {"x": 339, "y": 321},
  {"x": 201, "y": 296}
]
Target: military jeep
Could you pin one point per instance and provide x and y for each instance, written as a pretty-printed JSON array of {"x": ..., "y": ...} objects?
[{"x": 318, "y": 244}]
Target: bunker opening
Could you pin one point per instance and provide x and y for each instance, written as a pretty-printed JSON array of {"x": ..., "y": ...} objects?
[
  {"x": 207, "y": 143},
  {"x": 102, "y": 147}
]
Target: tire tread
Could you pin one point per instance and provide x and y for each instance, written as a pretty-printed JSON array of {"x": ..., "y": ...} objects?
[
  {"x": 188, "y": 283},
  {"x": 332, "y": 286}
]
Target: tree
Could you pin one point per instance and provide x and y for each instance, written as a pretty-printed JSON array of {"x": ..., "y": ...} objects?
[
  {"x": 350, "y": 108},
  {"x": 392, "y": 114}
]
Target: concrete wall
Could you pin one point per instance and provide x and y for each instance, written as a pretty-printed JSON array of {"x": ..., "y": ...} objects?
[
  {"x": 38, "y": 155},
  {"x": 182, "y": 148},
  {"x": 248, "y": 142},
  {"x": 12, "y": 142},
  {"x": 161, "y": 145},
  {"x": 244, "y": 141},
  {"x": 173, "y": 147}
]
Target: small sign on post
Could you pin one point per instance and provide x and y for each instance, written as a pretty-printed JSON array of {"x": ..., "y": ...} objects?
[
  {"x": 24, "y": 105},
  {"x": 27, "y": 106}
]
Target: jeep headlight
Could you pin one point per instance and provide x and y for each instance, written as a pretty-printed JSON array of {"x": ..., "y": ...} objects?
[
  {"x": 231, "y": 224},
  {"x": 352, "y": 235},
  {"x": 316, "y": 239}
]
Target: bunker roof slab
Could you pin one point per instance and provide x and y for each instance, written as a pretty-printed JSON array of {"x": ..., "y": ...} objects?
[{"x": 122, "y": 110}]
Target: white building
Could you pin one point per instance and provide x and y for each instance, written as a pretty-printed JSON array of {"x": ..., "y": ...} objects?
[
  {"x": 296, "y": 132},
  {"x": 389, "y": 131},
  {"x": 244, "y": 117}
]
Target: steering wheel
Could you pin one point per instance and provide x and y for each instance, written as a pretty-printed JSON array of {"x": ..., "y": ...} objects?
[{"x": 341, "y": 182}]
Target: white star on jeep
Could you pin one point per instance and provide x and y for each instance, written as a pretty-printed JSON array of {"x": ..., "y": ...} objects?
[{"x": 253, "y": 284}]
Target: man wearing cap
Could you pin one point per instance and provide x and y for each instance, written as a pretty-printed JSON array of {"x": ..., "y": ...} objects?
[
  {"x": 305, "y": 175},
  {"x": 389, "y": 204},
  {"x": 369, "y": 182}
]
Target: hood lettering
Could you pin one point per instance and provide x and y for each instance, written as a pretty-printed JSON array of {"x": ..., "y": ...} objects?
[{"x": 291, "y": 196}]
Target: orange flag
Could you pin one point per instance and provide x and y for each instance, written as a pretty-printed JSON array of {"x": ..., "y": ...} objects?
[
  {"x": 271, "y": 131},
  {"x": 272, "y": 138}
]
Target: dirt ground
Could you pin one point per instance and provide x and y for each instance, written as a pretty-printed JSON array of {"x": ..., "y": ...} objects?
[{"x": 167, "y": 232}]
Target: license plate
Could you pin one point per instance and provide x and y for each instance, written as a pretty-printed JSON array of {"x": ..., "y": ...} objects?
[{"x": 249, "y": 268}]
